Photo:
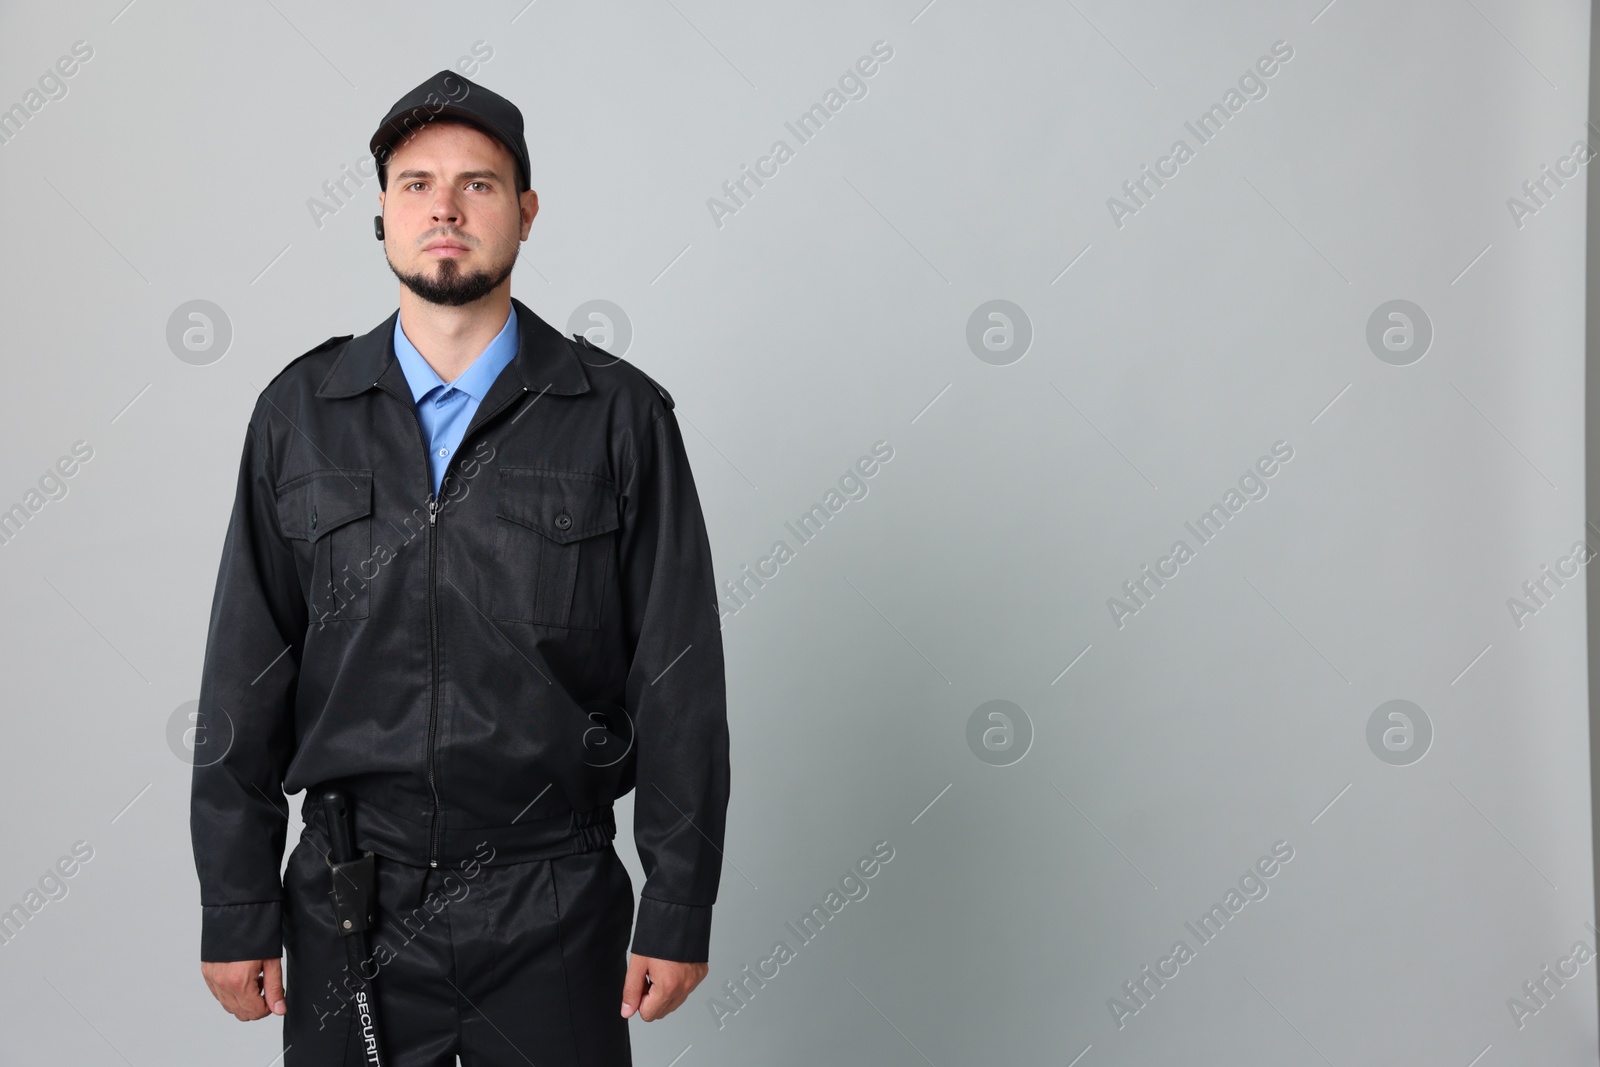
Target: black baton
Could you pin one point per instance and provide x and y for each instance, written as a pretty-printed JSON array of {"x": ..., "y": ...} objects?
[{"x": 354, "y": 897}]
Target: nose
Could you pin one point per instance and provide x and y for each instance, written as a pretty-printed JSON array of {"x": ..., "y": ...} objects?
[{"x": 445, "y": 206}]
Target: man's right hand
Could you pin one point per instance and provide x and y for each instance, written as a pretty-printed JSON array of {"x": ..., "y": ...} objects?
[{"x": 238, "y": 987}]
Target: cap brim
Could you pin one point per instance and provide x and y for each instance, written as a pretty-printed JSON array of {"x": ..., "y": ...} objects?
[{"x": 387, "y": 136}]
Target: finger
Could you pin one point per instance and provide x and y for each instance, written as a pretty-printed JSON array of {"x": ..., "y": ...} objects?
[
  {"x": 274, "y": 984},
  {"x": 234, "y": 1003},
  {"x": 656, "y": 1001},
  {"x": 658, "y": 1007},
  {"x": 633, "y": 985},
  {"x": 247, "y": 995},
  {"x": 234, "y": 986}
]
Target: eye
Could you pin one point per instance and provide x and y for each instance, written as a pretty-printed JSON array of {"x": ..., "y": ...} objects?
[
  {"x": 482, "y": 184},
  {"x": 412, "y": 185}
]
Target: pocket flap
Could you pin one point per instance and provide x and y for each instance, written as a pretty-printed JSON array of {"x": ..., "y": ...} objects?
[
  {"x": 562, "y": 505},
  {"x": 317, "y": 503}
]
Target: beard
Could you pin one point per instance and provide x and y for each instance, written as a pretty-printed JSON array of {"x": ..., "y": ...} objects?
[{"x": 449, "y": 286}]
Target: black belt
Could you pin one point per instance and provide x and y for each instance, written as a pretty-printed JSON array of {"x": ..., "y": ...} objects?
[{"x": 397, "y": 838}]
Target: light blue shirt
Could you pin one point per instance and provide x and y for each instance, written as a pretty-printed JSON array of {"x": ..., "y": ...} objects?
[{"x": 447, "y": 407}]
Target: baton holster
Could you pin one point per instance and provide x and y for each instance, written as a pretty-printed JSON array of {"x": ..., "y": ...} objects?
[
  {"x": 355, "y": 884},
  {"x": 355, "y": 874}
]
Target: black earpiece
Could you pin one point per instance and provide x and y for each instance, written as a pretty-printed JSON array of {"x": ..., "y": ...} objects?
[{"x": 377, "y": 226}]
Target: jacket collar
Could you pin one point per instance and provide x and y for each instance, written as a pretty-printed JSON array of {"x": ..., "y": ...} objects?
[{"x": 546, "y": 361}]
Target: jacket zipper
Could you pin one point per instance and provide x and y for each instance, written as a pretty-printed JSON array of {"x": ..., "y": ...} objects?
[
  {"x": 433, "y": 641},
  {"x": 433, "y": 621},
  {"x": 433, "y": 689}
]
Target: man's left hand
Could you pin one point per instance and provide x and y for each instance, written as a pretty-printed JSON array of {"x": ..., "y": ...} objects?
[{"x": 670, "y": 984}]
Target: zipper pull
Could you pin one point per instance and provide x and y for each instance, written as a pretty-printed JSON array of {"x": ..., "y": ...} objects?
[{"x": 433, "y": 509}]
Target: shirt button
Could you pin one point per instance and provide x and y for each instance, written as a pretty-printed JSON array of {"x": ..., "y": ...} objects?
[
  {"x": 444, "y": 452},
  {"x": 563, "y": 521}
]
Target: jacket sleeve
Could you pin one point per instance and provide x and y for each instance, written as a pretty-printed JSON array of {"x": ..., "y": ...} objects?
[
  {"x": 676, "y": 697},
  {"x": 238, "y": 816}
]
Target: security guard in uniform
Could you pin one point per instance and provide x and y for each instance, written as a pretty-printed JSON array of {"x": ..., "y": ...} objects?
[{"x": 466, "y": 581}]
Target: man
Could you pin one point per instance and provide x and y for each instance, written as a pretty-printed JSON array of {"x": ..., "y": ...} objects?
[{"x": 467, "y": 581}]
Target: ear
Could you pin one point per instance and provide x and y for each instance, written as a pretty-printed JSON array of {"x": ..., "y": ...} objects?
[{"x": 530, "y": 208}]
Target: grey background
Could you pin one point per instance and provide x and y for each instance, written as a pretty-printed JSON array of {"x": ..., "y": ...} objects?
[{"x": 832, "y": 312}]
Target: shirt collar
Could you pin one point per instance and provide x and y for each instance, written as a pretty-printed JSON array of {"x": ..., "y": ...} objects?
[
  {"x": 475, "y": 380},
  {"x": 547, "y": 361}
]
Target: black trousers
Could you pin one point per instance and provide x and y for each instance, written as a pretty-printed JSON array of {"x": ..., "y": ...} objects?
[{"x": 499, "y": 964}]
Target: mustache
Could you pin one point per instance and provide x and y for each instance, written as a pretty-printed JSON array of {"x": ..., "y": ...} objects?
[{"x": 452, "y": 234}]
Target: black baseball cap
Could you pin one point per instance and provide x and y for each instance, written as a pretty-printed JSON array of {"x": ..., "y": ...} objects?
[{"x": 448, "y": 94}]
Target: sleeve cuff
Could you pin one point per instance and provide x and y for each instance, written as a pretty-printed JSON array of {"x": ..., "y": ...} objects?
[
  {"x": 666, "y": 931},
  {"x": 232, "y": 932}
]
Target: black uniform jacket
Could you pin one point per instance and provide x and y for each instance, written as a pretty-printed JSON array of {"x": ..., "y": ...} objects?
[{"x": 483, "y": 671}]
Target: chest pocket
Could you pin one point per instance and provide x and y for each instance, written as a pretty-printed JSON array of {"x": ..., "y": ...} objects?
[
  {"x": 555, "y": 548},
  {"x": 331, "y": 511}
]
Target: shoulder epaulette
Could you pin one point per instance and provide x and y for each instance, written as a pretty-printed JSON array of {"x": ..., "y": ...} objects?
[
  {"x": 666, "y": 397},
  {"x": 330, "y": 342},
  {"x": 323, "y": 347}
]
